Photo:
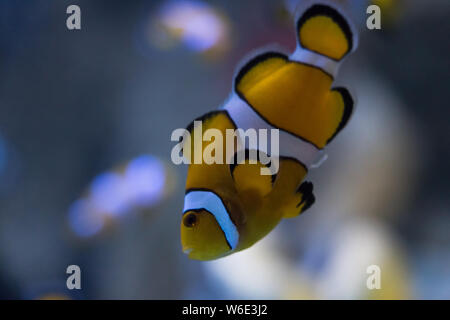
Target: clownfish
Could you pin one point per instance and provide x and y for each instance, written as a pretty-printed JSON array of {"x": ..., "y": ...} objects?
[{"x": 229, "y": 207}]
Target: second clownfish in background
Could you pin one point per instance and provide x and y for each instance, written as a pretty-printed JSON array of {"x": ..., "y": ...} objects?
[{"x": 229, "y": 207}]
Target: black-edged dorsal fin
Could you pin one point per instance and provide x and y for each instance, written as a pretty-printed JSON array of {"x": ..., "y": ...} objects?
[{"x": 258, "y": 68}]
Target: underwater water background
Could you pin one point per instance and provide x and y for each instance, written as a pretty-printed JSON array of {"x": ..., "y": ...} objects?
[{"x": 86, "y": 176}]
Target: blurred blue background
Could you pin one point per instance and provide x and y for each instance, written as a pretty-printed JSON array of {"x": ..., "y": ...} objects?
[{"x": 86, "y": 176}]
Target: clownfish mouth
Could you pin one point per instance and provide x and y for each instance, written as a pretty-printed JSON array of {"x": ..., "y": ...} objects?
[{"x": 187, "y": 250}]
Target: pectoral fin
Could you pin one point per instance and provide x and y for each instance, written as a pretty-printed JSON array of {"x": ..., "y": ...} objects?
[{"x": 247, "y": 175}]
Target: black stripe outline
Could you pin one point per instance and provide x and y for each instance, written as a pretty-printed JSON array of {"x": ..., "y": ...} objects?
[
  {"x": 274, "y": 126},
  {"x": 279, "y": 157},
  {"x": 273, "y": 54},
  {"x": 348, "y": 110},
  {"x": 202, "y": 118},
  {"x": 328, "y": 11},
  {"x": 255, "y": 61}
]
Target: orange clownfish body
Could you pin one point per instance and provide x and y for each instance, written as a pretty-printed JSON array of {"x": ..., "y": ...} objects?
[{"x": 229, "y": 207}]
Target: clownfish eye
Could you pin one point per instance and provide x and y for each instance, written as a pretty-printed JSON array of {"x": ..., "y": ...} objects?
[{"x": 190, "y": 220}]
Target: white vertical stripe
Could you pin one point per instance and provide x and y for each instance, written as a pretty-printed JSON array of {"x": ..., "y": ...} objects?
[
  {"x": 328, "y": 65},
  {"x": 211, "y": 202},
  {"x": 289, "y": 145}
]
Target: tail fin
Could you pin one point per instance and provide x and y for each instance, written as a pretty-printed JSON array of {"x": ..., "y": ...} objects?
[{"x": 322, "y": 27}]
